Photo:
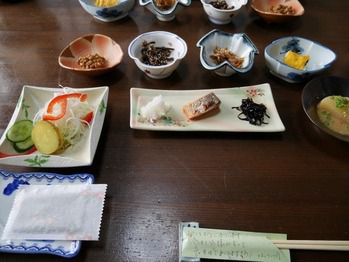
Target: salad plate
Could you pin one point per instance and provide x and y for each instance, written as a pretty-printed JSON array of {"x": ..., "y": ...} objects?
[
  {"x": 31, "y": 101},
  {"x": 225, "y": 120},
  {"x": 9, "y": 182}
]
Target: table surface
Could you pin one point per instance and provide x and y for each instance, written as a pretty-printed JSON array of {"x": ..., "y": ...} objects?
[{"x": 294, "y": 182}]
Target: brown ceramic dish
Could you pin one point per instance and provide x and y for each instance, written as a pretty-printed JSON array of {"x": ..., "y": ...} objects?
[
  {"x": 266, "y": 9},
  {"x": 91, "y": 44}
]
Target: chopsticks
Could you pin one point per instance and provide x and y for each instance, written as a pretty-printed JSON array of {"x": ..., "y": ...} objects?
[{"x": 312, "y": 244}]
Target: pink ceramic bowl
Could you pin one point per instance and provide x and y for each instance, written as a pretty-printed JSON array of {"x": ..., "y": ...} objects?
[
  {"x": 87, "y": 45},
  {"x": 264, "y": 9}
]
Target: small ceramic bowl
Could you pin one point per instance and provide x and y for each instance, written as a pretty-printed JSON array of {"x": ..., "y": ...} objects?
[
  {"x": 87, "y": 45},
  {"x": 267, "y": 9},
  {"x": 161, "y": 39},
  {"x": 315, "y": 91},
  {"x": 164, "y": 10},
  {"x": 321, "y": 58},
  {"x": 222, "y": 16},
  {"x": 108, "y": 14},
  {"x": 240, "y": 44}
]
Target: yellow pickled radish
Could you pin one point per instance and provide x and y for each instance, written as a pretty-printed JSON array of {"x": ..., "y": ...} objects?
[
  {"x": 295, "y": 60},
  {"x": 106, "y": 3}
]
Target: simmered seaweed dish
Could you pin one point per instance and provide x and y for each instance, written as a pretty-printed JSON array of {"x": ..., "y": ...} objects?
[
  {"x": 221, "y": 4},
  {"x": 155, "y": 56},
  {"x": 252, "y": 112}
]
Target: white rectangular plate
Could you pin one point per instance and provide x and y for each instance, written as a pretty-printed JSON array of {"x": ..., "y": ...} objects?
[
  {"x": 31, "y": 100},
  {"x": 225, "y": 120},
  {"x": 9, "y": 182}
]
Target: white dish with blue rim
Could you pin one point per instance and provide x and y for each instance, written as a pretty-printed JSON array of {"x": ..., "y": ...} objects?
[
  {"x": 9, "y": 182},
  {"x": 33, "y": 99},
  {"x": 108, "y": 14},
  {"x": 167, "y": 14},
  {"x": 321, "y": 58},
  {"x": 240, "y": 44}
]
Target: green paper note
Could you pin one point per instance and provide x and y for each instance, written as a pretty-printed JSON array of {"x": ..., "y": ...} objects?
[{"x": 232, "y": 245}]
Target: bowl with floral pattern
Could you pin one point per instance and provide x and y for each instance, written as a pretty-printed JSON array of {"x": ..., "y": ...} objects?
[
  {"x": 94, "y": 48},
  {"x": 277, "y": 11},
  {"x": 226, "y": 53},
  {"x": 222, "y": 11},
  {"x": 108, "y": 13},
  {"x": 157, "y": 53},
  {"x": 164, "y": 10},
  {"x": 319, "y": 57}
]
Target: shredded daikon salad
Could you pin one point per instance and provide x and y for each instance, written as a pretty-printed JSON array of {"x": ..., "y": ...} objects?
[{"x": 70, "y": 113}]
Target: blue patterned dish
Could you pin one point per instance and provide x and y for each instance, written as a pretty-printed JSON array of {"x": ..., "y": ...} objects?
[
  {"x": 108, "y": 14},
  {"x": 240, "y": 44},
  {"x": 321, "y": 58},
  {"x": 165, "y": 14},
  {"x": 9, "y": 182}
]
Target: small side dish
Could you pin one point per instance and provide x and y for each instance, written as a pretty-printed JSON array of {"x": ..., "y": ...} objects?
[
  {"x": 157, "y": 53},
  {"x": 226, "y": 53},
  {"x": 107, "y": 10},
  {"x": 333, "y": 112},
  {"x": 296, "y": 59},
  {"x": 164, "y": 10},
  {"x": 277, "y": 11},
  {"x": 222, "y": 11},
  {"x": 91, "y": 55},
  {"x": 201, "y": 106}
]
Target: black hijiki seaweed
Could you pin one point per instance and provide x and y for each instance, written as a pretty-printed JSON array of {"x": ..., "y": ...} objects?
[
  {"x": 155, "y": 56},
  {"x": 254, "y": 113}
]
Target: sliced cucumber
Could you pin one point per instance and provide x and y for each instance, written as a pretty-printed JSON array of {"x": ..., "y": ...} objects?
[
  {"x": 20, "y": 131},
  {"x": 23, "y": 146}
]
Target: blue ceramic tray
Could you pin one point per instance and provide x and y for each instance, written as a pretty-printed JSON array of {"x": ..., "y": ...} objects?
[{"x": 9, "y": 182}]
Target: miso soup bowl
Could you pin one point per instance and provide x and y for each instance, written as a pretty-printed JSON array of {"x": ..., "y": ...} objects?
[
  {"x": 161, "y": 39},
  {"x": 240, "y": 44},
  {"x": 223, "y": 16},
  {"x": 319, "y": 88},
  {"x": 321, "y": 58}
]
